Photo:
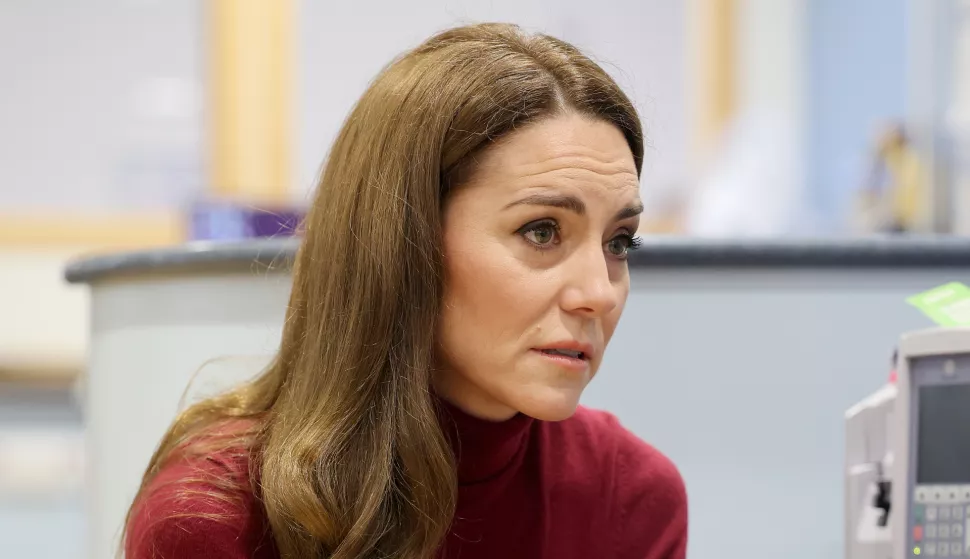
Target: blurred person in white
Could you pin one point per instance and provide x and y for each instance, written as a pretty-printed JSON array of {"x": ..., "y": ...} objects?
[
  {"x": 462, "y": 272},
  {"x": 753, "y": 188}
]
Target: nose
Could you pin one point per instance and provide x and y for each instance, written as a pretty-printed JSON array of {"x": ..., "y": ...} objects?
[{"x": 590, "y": 290}]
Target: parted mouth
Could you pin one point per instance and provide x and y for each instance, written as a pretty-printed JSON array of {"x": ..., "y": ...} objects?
[
  {"x": 569, "y": 348},
  {"x": 566, "y": 353}
]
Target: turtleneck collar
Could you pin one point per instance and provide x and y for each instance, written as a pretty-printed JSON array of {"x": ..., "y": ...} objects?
[{"x": 482, "y": 448}]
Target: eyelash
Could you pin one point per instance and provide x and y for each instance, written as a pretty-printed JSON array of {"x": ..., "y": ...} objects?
[
  {"x": 635, "y": 241},
  {"x": 632, "y": 242}
]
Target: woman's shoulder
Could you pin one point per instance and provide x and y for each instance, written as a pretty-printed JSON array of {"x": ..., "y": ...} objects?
[
  {"x": 200, "y": 505},
  {"x": 643, "y": 489}
]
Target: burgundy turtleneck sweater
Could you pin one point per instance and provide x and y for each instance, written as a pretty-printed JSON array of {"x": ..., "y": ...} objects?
[{"x": 584, "y": 488}]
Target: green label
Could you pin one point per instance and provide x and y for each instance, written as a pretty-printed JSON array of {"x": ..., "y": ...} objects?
[{"x": 947, "y": 305}]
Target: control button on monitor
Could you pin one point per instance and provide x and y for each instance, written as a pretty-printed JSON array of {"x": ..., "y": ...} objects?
[
  {"x": 956, "y": 549},
  {"x": 957, "y": 512},
  {"x": 937, "y": 496},
  {"x": 956, "y": 530},
  {"x": 952, "y": 494},
  {"x": 930, "y": 531},
  {"x": 944, "y": 513},
  {"x": 930, "y": 549},
  {"x": 965, "y": 489},
  {"x": 943, "y": 550},
  {"x": 917, "y": 533},
  {"x": 931, "y": 513},
  {"x": 944, "y": 531}
]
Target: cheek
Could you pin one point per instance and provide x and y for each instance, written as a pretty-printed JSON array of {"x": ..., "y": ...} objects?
[
  {"x": 492, "y": 302},
  {"x": 487, "y": 287},
  {"x": 610, "y": 321}
]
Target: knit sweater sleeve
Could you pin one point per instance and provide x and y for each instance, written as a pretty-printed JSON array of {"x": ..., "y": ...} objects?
[{"x": 187, "y": 512}]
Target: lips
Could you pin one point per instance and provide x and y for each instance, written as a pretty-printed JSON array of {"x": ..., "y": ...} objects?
[
  {"x": 570, "y": 349},
  {"x": 565, "y": 353}
]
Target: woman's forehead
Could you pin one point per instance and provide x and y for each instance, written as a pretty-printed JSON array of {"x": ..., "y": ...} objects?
[
  {"x": 564, "y": 140},
  {"x": 570, "y": 153}
]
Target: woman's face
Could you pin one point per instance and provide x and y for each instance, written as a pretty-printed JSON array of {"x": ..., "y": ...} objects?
[{"x": 536, "y": 275}]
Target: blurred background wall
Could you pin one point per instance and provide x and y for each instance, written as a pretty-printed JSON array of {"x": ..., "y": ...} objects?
[
  {"x": 642, "y": 43},
  {"x": 856, "y": 85},
  {"x": 100, "y": 141},
  {"x": 142, "y": 123}
]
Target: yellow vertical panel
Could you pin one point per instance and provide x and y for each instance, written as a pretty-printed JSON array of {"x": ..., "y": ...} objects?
[
  {"x": 251, "y": 46},
  {"x": 712, "y": 33}
]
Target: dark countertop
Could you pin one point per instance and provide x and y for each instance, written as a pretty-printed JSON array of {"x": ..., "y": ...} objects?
[
  {"x": 836, "y": 252},
  {"x": 263, "y": 253},
  {"x": 832, "y": 252}
]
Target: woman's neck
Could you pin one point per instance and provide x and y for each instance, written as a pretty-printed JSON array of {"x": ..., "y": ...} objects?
[{"x": 482, "y": 447}]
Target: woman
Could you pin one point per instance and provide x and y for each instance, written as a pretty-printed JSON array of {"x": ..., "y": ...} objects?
[{"x": 462, "y": 271}]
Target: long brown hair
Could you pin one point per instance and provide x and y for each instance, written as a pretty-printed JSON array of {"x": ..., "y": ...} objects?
[{"x": 348, "y": 456}]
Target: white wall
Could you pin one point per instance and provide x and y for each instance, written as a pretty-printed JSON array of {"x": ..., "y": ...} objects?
[
  {"x": 107, "y": 108},
  {"x": 100, "y": 103},
  {"x": 771, "y": 56},
  {"x": 99, "y": 112},
  {"x": 642, "y": 43}
]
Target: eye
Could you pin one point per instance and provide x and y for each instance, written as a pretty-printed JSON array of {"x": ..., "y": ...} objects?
[
  {"x": 542, "y": 234},
  {"x": 621, "y": 245}
]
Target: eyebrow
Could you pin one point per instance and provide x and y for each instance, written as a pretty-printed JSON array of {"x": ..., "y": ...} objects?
[
  {"x": 572, "y": 204},
  {"x": 630, "y": 211}
]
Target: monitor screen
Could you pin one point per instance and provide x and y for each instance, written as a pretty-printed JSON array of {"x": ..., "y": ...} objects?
[{"x": 943, "y": 432}]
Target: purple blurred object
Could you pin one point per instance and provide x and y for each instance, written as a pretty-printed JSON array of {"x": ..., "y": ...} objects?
[
  {"x": 226, "y": 222},
  {"x": 281, "y": 223}
]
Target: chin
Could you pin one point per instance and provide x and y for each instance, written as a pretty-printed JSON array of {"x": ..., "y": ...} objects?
[{"x": 551, "y": 405}]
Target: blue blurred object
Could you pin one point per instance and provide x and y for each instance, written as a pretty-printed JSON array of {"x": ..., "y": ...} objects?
[{"x": 223, "y": 221}]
